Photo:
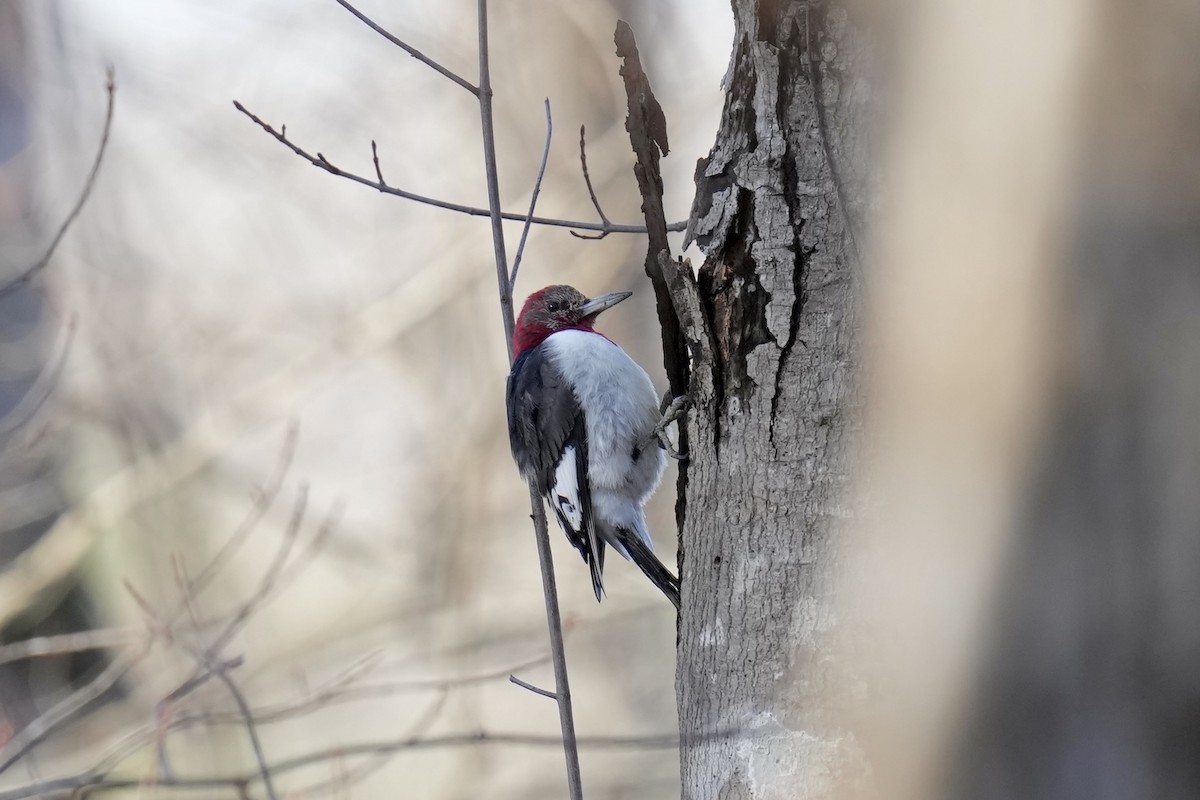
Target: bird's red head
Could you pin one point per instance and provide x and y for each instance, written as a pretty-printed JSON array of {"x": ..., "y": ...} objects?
[{"x": 558, "y": 308}]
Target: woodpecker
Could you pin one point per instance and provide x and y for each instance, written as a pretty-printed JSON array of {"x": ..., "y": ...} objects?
[{"x": 584, "y": 424}]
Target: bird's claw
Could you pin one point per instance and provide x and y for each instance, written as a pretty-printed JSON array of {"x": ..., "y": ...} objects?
[
  {"x": 673, "y": 409},
  {"x": 664, "y": 441}
]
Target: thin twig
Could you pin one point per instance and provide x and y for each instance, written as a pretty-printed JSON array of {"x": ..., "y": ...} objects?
[
  {"x": 531, "y": 687},
  {"x": 587, "y": 179},
  {"x": 320, "y": 161},
  {"x": 537, "y": 189},
  {"x": 375, "y": 161},
  {"x": 412, "y": 51},
  {"x": 8, "y": 288}
]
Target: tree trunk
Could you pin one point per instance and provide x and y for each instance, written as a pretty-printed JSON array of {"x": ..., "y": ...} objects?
[{"x": 770, "y": 329}]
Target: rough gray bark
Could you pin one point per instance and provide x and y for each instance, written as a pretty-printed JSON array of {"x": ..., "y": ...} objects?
[{"x": 769, "y": 324}]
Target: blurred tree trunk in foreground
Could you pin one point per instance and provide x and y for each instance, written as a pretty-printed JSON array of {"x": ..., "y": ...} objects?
[
  {"x": 770, "y": 437},
  {"x": 1090, "y": 687},
  {"x": 1029, "y": 566}
]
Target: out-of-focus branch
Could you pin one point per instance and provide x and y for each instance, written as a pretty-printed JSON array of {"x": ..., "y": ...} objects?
[
  {"x": 339, "y": 690},
  {"x": 212, "y": 665},
  {"x": 98, "y": 782},
  {"x": 270, "y": 577},
  {"x": 349, "y": 777},
  {"x": 66, "y": 643},
  {"x": 33, "y": 269},
  {"x": 412, "y": 51},
  {"x": 260, "y": 504},
  {"x": 30, "y": 736},
  {"x": 320, "y": 161},
  {"x": 537, "y": 189},
  {"x": 53, "y": 718},
  {"x": 264, "y": 770}
]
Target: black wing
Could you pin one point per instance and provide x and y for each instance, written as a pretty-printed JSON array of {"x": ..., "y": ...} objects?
[{"x": 548, "y": 436}]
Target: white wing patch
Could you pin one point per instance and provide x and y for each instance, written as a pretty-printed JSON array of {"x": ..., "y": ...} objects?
[{"x": 565, "y": 492}]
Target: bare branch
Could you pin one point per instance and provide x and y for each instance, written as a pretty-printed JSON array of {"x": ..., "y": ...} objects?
[
  {"x": 492, "y": 172},
  {"x": 8, "y": 288},
  {"x": 562, "y": 685},
  {"x": 319, "y": 160},
  {"x": 587, "y": 178},
  {"x": 566, "y": 717},
  {"x": 412, "y": 51},
  {"x": 537, "y": 189},
  {"x": 531, "y": 687}
]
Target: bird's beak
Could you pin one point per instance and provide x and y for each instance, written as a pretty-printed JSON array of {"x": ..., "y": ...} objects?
[{"x": 602, "y": 303}]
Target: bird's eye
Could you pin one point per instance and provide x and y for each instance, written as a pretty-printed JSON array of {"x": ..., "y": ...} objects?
[{"x": 553, "y": 307}]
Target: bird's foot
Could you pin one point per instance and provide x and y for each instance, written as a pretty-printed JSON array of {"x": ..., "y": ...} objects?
[{"x": 673, "y": 409}]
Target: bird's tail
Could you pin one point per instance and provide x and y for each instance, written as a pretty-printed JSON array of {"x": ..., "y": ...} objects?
[
  {"x": 596, "y": 566},
  {"x": 649, "y": 564}
]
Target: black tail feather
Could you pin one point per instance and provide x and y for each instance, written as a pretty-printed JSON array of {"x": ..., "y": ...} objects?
[
  {"x": 649, "y": 564},
  {"x": 596, "y": 565}
]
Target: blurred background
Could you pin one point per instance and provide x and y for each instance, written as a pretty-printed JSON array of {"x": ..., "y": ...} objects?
[{"x": 230, "y": 345}]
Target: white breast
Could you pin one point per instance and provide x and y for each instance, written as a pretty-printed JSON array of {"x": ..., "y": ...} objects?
[{"x": 621, "y": 408}]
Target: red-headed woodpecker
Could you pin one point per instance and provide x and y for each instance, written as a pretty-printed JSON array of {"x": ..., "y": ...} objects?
[{"x": 584, "y": 425}]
